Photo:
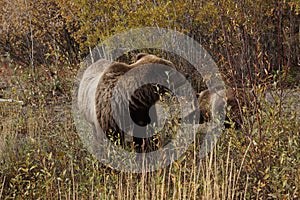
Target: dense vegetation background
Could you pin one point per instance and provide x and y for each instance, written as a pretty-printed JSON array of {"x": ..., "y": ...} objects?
[{"x": 256, "y": 44}]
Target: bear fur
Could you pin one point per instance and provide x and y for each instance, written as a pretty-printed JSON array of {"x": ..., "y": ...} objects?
[
  {"x": 234, "y": 101},
  {"x": 96, "y": 90},
  {"x": 87, "y": 87}
]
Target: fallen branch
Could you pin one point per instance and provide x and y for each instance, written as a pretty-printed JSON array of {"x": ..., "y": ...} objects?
[{"x": 11, "y": 101}]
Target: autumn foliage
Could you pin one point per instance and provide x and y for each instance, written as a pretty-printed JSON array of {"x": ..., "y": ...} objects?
[{"x": 256, "y": 45}]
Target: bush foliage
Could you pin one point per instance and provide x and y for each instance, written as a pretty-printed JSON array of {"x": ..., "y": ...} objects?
[{"x": 256, "y": 44}]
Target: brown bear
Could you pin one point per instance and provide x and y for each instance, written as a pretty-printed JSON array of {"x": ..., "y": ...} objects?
[
  {"x": 96, "y": 93},
  {"x": 234, "y": 101}
]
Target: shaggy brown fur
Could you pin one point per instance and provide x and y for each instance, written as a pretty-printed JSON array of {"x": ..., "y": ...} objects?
[
  {"x": 235, "y": 103},
  {"x": 139, "y": 104},
  {"x": 87, "y": 88}
]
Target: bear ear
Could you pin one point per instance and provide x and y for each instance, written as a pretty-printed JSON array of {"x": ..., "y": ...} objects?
[{"x": 140, "y": 55}]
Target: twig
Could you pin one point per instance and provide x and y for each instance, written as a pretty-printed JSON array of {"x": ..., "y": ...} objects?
[
  {"x": 11, "y": 101},
  {"x": 1, "y": 192}
]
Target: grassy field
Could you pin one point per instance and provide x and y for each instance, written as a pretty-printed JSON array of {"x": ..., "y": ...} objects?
[
  {"x": 42, "y": 157},
  {"x": 255, "y": 44}
]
